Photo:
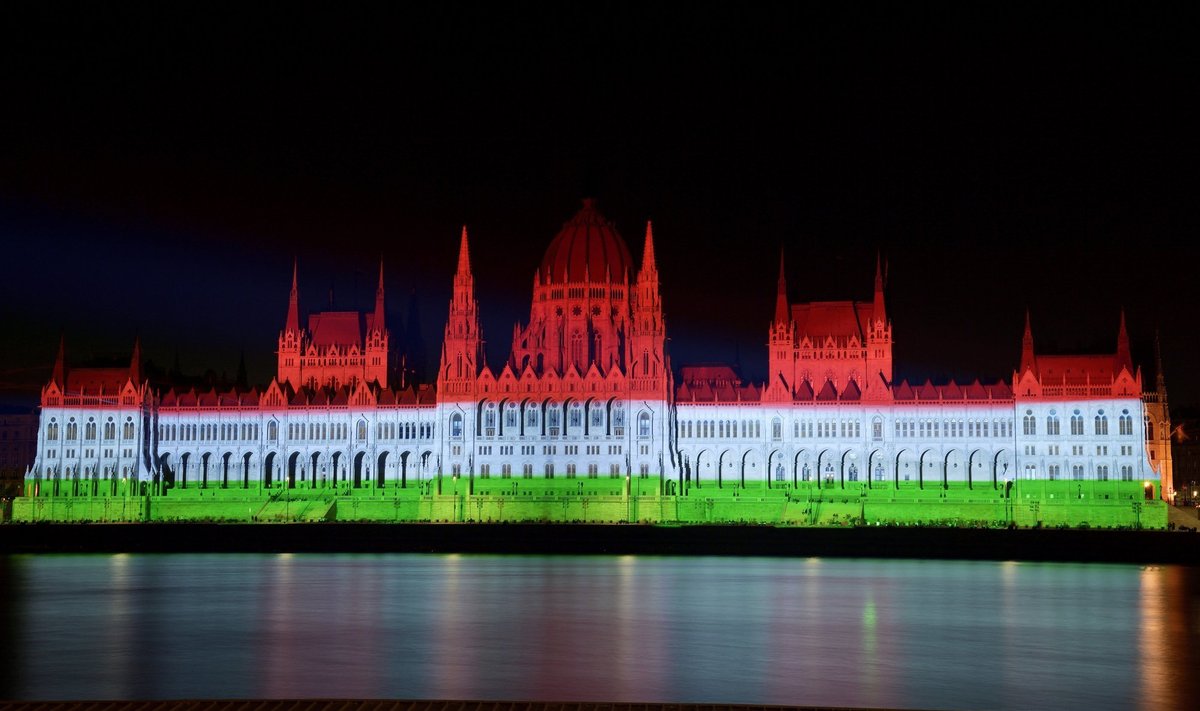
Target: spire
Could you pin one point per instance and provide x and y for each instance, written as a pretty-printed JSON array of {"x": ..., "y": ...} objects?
[
  {"x": 293, "y": 315},
  {"x": 781, "y": 300},
  {"x": 135, "y": 362},
  {"x": 377, "y": 322},
  {"x": 464, "y": 254},
  {"x": 1028, "y": 361},
  {"x": 880, "y": 310},
  {"x": 1123, "y": 357},
  {"x": 648, "y": 265},
  {"x": 60, "y": 365},
  {"x": 1160, "y": 384}
]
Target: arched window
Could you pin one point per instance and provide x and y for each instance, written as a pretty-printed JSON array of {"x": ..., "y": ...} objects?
[
  {"x": 110, "y": 429},
  {"x": 511, "y": 418},
  {"x": 575, "y": 416},
  {"x": 1125, "y": 424},
  {"x": 89, "y": 430},
  {"x": 127, "y": 430},
  {"x": 776, "y": 429},
  {"x": 643, "y": 425},
  {"x": 1076, "y": 424},
  {"x": 1052, "y": 425},
  {"x": 877, "y": 429},
  {"x": 1101, "y": 424},
  {"x": 618, "y": 418},
  {"x": 1030, "y": 424},
  {"x": 456, "y": 426},
  {"x": 52, "y": 429},
  {"x": 577, "y": 350},
  {"x": 362, "y": 430},
  {"x": 596, "y": 417},
  {"x": 1149, "y": 429},
  {"x": 553, "y": 418},
  {"x": 531, "y": 418},
  {"x": 489, "y": 420},
  {"x": 272, "y": 430}
]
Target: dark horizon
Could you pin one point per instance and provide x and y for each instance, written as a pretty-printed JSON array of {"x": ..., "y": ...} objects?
[{"x": 163, "y": 172}]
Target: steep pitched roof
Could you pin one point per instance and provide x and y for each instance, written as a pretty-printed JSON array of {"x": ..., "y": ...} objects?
[
  {"x": 840, "y": 319},
  {"x": 335, "y": 328},
  {"x": 708, "y": 372},
  {"x": 91, "y": 381},
  {"x": 1076, "y": 369},
  {"x": 827, "y": 392}
]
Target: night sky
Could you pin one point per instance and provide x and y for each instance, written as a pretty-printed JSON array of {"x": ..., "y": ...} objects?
[{"x": 159, "y": 172}]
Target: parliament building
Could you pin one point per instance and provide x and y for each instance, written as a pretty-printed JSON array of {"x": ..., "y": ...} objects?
[{"x": 588, "y": 408}]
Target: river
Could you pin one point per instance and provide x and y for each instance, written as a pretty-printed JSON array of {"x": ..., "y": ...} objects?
[{"x": 883, "y": 633}]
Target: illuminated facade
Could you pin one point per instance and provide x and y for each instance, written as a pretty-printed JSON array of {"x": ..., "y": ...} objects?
[{"x": 588, "y": 394}]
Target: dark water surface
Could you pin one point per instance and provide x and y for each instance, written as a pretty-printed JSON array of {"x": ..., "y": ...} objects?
[{"x": 930, "y": 634}]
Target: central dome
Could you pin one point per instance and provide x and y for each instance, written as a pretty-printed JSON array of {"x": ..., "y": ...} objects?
[{"x": 587, "y": 248}]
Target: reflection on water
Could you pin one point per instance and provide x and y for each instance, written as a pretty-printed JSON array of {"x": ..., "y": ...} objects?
[{"x": 932, "y": 634}]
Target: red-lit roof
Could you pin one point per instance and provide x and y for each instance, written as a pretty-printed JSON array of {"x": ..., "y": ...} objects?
[
  {"x": 588, "y": 246},
  {"x": 335, "y": 328},
  {"x": 90, "y": 381},
  {"x": 928, "y": 392},
  {"x": 1076, "y": 369},
  {"x": 708, "y": 373},
  {"x": 840, "y": 319}
]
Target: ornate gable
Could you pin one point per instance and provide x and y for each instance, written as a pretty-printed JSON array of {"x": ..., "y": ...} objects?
[{"x": 362, "y": 396}]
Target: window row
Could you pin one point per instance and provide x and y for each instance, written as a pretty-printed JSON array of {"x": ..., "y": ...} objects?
[
  {"x": 403, "y": 430},
  {"x": 720, "y": 429},
  {"x": 1078, "y": 472},
  {"x": 223, "y": 432},
  {"x": 532, "y": 419},
  {"x": 1029, "y": 424},
  {"x": 548, "y": 471},
  {"x": 90, "y": 429}
]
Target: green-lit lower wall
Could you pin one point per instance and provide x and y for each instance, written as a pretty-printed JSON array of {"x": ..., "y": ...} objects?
[{"x": 1095, "y": 504}]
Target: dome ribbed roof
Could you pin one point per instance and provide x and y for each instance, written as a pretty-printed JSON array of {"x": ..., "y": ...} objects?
[{"x": 587, "y": 247}]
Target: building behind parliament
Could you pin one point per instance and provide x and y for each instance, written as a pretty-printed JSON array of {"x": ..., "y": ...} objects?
[{"x": 588, "y": 409}]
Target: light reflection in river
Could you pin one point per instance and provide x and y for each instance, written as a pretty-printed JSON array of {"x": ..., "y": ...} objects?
[{"x": 932, "y": 634}]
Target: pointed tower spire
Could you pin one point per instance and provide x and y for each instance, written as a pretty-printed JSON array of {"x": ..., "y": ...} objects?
[
  {"x": 648, "y": 264},
  {"x": 1123, "y": 357},
  {"x": 781, "y": 300},
  {"x": 464, "y": 254},
  {"x": 1027, "y": 357},
  {"x": 135, "y": 362},
  {"x": 462, "y": 346},
  {"x": 377, "y": 321},
  {"x": 1160, "y": 385},
  {"x": 60, "y": 366},
  {"x": 293, "y": 315},
  {"x": 880, "y": 310}
]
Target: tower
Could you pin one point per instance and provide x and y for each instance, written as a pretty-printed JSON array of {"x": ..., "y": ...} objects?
[
  {"x": 376, "y": 347},
  {"x": 290, "y": 340},
  {"x": 781, "y": 344},
  {"x": 647, "y": 333},
  {"x": 878, "y": 377},
  {"x": 1158, "y": 420},
  {"x": 461, "y": 347}
]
